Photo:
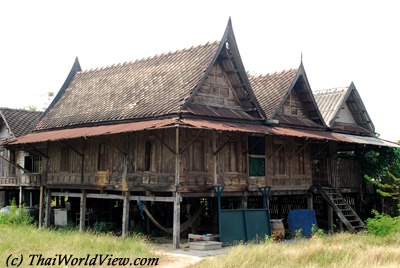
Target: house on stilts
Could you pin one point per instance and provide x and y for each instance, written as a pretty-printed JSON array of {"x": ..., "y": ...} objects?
[
  {"x": 177, "y": 130},
  {"x": 14, "y": 164}
]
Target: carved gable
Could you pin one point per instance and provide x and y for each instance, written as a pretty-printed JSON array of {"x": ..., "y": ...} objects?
[
  {"x": 293, "y": 106},
  {"x": 217, "y": 91}
]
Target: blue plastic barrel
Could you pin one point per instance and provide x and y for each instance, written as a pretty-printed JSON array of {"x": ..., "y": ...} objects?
[{"x": 301, "y": 219}]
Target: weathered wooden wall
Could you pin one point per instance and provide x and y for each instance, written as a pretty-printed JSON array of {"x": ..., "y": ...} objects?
[{"x": 151, "y": 164}]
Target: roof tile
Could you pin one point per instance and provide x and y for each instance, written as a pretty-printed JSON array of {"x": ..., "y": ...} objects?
[{"x": 144, "y": 88}]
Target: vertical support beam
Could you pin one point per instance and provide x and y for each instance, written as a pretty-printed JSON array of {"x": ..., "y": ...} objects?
[
  {"x": 177, "y": 203},
  {"x": 125, "y": 165},
  {"x": 245, "y": 200},
  {"x": 214, "y": 149},
  {"x": 330, "y": 219},
  {"x": 310, "y": 201},
  {"x": 82, "y": 215},
  {"x": 125, "y": 215},
  {"x": 30, "y": 199},
  {"x": 41, "y": 206},
  {"x": 48, "y": 209},
  {"x": 20, "y": 199},
  {"x": 83, "y": 161}
]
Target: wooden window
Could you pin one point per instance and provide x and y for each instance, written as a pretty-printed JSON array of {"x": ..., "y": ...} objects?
[
  {"x": 13, "y": 160},
  {"x": 102, "y": 163},
  {"x": 64, "y": 159},
  {"x": 256, "y": 148},
  {"x": 301, "y": 163},
  {"x": 279, "y": 161},
  {"x": 197, "y": 156},
  {"x": 233, "y": 157},
  {"x": 33, "y": 163},
  {"x": 147, "y": 156}
]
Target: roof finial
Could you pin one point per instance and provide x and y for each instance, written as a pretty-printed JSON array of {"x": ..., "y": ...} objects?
[{"x": 301, "y": 57}]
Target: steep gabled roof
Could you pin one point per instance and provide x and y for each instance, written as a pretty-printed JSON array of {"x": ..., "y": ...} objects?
[
  {"x": 332, "y": 101},
  {"x": 272, "y": 90},
  {"x": 20, "y": 122},
  {"x": 158, "y": 86}
]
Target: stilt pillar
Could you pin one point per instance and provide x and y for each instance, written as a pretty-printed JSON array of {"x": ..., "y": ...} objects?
[{"x": 82, "y": 216}]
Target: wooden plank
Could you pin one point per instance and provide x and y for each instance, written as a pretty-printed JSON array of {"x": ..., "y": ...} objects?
[
  {"x": 191, "y": 141},
  {"x": 82, "y": 215}
]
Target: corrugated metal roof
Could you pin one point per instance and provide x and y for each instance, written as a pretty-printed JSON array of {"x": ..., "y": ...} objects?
[
  {"x": 329, "y": 101},
  {"x": 73, "y": 133},
  {"x": 368, "y": 140},
  {"x": 226, "y": 126}
]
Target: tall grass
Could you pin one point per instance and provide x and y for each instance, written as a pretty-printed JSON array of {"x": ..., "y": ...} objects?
[
  {"x": 340, "y": 250},
  {"x": 30, "y": 240}
]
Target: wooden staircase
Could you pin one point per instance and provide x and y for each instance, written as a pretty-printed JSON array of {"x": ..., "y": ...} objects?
[{"x": 344, "y": 211}]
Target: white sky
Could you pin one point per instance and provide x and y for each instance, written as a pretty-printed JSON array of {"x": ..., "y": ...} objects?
[{"x": 341, "y": 41}]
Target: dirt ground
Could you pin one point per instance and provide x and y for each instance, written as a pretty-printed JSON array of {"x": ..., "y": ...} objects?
[{"x": 184, "y": 257}]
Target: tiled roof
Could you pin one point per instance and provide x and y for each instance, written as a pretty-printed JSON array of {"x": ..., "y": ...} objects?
[
  {"x": 145, "y": 88},
  {"x": 329, "y": 102},
  {"x": 20, "y": 121},
  {"x": 270, "y": 89}
]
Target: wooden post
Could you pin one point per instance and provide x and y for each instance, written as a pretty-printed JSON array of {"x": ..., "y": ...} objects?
[
  {"x": 20, "y": 200},
  {"x": 83, "y": 161},
  {"x": 125, "y": 215},
  {"x": 30, "y": 199},
  {"x": 330, "y": 219},
  {"x": 48, "y": 209},
  {"x": 82, "y": 212},
  {"x": 310, "y": 201},
  {"x": 214, "y": 149},
  {"x": 41, "y": 207},
  {"x": 177, "y": 203}
]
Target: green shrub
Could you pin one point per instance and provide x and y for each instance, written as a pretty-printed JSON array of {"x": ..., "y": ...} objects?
[
  {"x": 317, "y": 231},
  {"x": 16, "y": 216},
  {"x": 383, "y": 225}
]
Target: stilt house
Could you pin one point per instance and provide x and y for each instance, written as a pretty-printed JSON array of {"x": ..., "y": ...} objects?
[
  {"x": 169, "y": 129},
  {"x": 16, "y": 164}
]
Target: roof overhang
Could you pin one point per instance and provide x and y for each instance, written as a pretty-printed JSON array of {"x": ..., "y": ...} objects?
[{"x": 83, "y": 132}]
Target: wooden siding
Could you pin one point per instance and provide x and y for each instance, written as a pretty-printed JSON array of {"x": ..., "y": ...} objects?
[
  {"x": 217, "y": 90},
  {"x": 293, "y": 106},
  {"x": 288, "y": 163}
]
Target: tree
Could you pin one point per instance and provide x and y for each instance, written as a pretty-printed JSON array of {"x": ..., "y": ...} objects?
[{"x": 381, "y": 167}]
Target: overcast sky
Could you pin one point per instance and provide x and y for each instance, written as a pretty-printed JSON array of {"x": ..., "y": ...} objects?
[{"x": 341, "y": 41}]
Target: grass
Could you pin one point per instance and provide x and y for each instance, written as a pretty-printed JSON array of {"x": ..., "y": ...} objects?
[
  {"x": 27, "y": 240},
  {"x": 340, "y": 250}
]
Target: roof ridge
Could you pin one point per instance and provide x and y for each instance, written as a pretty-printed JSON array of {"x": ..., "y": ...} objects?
[
  {"x": 144, "y": 59},
  {"x": 19, "y": 109},
  {"x": 274, "y": 73},
  {"x": 331, "y": 90}
]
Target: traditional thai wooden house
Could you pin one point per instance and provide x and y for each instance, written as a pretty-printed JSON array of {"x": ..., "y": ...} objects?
[
  {"x": 171, "y": 129},
  {"x": 15, "y": 163}
]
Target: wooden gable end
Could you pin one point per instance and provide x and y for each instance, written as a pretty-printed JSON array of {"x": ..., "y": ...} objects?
[
  {"x": 299, "y": 106},
  {"x": 217, "y": 91},
  {"x": 293, "y": 106}
]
